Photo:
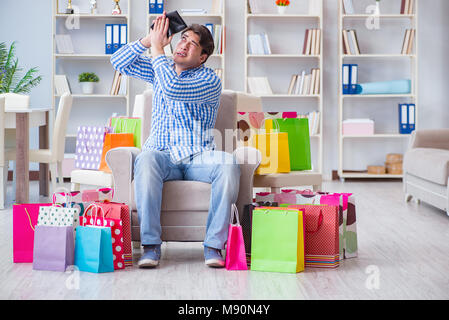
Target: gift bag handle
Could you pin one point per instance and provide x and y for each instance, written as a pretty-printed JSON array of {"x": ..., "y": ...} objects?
[
  {"x": 29, "y": 219},
  {"x": 67, "y": 195},
  {"x": 234, "y": 213},
  {"x": 320, "y": 222},
  {"x": 278, "y": 128},
  {"x": 97, "y": 208}
]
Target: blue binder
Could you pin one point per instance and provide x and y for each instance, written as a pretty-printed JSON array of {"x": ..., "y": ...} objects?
[
  {"x": 153, "y": 8},
  {"x": 115, "y": 37},
  {"x": 403, "y": 118},
  {"x": 346, "y": 75},
  {"x": 108, "y": 38},
  {"x": 411, "y": 117},
  {"x": 123, "y": 35},
  {"x": 160, "y": 6},
  {"x": 353, "y": 78}
]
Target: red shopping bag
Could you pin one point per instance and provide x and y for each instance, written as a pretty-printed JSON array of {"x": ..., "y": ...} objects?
[
  {"x": 321, "y": 235},
  {"x": 99, "y": 219},
  {"x": 115, "y": 210},
  {"x": 235, "y": 247},
  {"x": 24, "y": 221}
]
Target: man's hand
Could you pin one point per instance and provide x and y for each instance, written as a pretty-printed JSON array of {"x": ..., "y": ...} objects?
[{"x": 157, "y": 39}]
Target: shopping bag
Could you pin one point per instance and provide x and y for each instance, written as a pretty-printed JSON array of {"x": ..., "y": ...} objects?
[
  {"x": 277, "y": 242},
  {"x": 128, "y": 125},
  {"x": 273, "y": 146},
  {"x": 282, "y": 197},
  {"x": 235, "y": 246},
  {"x": 53, "y": 248},
  {"x": 247, "y": 218},
  {"x": 57, "y": 215},
  {"x": 298, "y": 141},
  {"x": 111, "y": 141},
  {"x": 89, "y": 146},
  {"x": 321, "y": 235},
  {"x": 120, "y": 211},
  {"x": 24, "y": 221},
  {"x": 93, "y": 247},
  {"x": 116, "y": 233},
  {"x": 82, "y": 199}
]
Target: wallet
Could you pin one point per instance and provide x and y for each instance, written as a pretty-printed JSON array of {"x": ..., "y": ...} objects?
[{"x": 176, "y": 23}]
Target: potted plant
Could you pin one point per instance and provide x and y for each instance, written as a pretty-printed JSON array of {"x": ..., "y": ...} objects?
[
  {"x": 10, "y": 80},
  {"x": 282, "y": 5},
  {"x": 87, "y": 80}
]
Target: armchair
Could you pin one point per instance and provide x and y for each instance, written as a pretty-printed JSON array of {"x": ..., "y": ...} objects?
[
  {"x": 426, "y": 168},
  {"x": 185, "y": 204}
]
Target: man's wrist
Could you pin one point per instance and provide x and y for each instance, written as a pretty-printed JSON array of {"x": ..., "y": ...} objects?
[{"x": 146, "y": 44}]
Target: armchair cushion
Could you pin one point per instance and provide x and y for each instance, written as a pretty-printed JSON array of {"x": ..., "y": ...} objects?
[{"x": 428, "y": 163}]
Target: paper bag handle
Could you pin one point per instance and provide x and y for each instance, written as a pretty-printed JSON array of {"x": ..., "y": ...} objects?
[
  {"x": 67, "y": 195},
  {"x": 320, "y": 222},
  {"x": 97, "y": 208},
  {"x": 29, "y": 219},
  {"x": 234, "y": 213}
]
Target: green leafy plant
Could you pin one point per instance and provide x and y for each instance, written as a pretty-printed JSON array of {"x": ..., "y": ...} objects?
[
  {"x": 88, "y": 77},
  {"x": 10, "y": 80}
]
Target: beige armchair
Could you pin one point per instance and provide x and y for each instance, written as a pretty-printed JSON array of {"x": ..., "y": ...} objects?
[
  {"x": 426, "y": 168},
  {"x": 185, "y": 204}
]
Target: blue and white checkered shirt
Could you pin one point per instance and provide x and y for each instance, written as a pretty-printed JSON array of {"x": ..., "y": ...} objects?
[{"x": 184, "y": 107}]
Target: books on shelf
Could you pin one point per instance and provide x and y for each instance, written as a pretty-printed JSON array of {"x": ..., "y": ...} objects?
[
  {"x": 116, "y": 36},
  {"x": 314, "y": 122},
  {"x": 312, "y": 42},
  {"x": 350, "y": 78},
  {"x": 64, "y": 43},
  {"x": 218, "y": 34},
  {"x": 406, "y": 118},
  {"x": 253, "y": 6},
  {"x": 61, "y": 84},
  {"x": 350, "y": 42},
  {"x": 217, "y": 7},
  {"x": 407, "y": 6},
  {"x": 305, "y": 84},
  {"x": 348, "y": 7},
  {"x": 258, "y": 44},
  {"x": 409, "y": 38},
  {"x": 259, "y": 85},
  {"x": 118, "y": 84}
]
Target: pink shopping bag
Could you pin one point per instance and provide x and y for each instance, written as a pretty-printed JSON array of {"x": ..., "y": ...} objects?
[
  {"x": 235, "y": 248},
  {"x": 24, "y": 222}
]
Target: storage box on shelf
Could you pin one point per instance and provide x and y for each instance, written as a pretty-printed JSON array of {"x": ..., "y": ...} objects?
[{"x": 374, "y": 54}]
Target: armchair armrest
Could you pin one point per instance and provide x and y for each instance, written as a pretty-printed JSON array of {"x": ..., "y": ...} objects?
[
  {"x": 121, "y": 162},
  {"x": 435, "y": 138},
  {"x": 249, "y": 159}
]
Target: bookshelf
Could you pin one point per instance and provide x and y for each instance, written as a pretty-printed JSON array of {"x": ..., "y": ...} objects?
[
  {"x": 375, "y": 55},
  {"x": 281, "y": 63},
  {"x": 87, "y": 32},
  {"x": 215, "y": 14}
]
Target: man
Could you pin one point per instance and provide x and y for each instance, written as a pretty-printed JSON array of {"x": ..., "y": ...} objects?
[{"x": 186, "y": 98}]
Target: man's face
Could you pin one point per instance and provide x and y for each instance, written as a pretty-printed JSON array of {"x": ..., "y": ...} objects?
[{"x": 188, "y": 51}]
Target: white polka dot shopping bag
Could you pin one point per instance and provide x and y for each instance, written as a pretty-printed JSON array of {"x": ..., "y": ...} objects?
[
  {"x": 58, "y": 216},
  {"x": 94, "y": 216}
]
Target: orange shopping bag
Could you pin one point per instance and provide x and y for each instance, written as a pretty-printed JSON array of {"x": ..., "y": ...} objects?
[{"x": 114, "y": 140}]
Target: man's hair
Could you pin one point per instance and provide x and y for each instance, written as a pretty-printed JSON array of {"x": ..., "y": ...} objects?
[{"x": 206, "y": 39}]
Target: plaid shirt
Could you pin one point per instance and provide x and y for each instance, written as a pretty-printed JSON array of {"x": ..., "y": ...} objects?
[{"x": 184, "y": 107}]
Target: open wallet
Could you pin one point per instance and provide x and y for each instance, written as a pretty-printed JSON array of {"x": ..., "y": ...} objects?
[{"x": 176, "y": 23}]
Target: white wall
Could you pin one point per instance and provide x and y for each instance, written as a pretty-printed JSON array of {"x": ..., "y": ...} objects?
[{"x": 29, "y": 23}]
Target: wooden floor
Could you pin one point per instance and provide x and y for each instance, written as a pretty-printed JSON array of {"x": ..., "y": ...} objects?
[{"x": 403, "y": 254}]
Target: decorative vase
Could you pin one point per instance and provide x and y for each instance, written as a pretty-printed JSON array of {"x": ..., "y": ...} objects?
[
  {"x": 87, "y": 87},
  {"x": 282, "y": 9}
]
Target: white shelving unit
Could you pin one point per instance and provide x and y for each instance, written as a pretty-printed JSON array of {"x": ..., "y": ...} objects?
[
  {"x": 214, "y": 61},
  {"x": 357, "y": 21},
  {"x": 297, "y": 17},
  {"x": 88, "y": 42}
]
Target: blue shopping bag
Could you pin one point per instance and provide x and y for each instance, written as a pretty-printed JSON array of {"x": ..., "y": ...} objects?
[{"x": 93, "y": 248}]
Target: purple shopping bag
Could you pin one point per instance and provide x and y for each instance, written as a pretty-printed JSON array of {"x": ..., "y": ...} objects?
[
  {"x": 235, "y": 247},
  {"x": 89, "y": 146},
  {"x": 54, "y": 248}
]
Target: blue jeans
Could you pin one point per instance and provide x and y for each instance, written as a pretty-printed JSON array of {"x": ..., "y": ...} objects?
[{"x": 152, "y": 168}]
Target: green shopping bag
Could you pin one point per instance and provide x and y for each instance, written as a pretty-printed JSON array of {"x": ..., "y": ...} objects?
[
  {"x": 128, "y": 125},
  {"x": 298, "y": 141},
  {"x": 277, "y": 241}
]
